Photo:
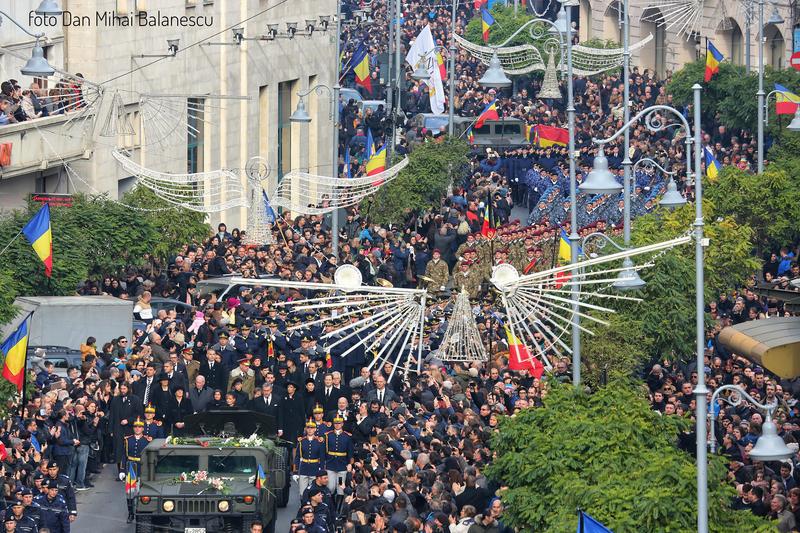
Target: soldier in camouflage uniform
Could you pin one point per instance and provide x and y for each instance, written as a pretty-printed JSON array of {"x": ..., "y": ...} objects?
[
  {"x": 467, "y": 280},
  {"x": 438, "y": 272}
]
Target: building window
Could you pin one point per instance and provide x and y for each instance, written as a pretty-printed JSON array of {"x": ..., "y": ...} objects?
[
  {"x": 284, "y": 128},
  {"x": 194, "y": 134}
]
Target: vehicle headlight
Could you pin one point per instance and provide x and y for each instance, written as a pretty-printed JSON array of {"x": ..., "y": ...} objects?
[
  {"x": 224, "y": 506},
  {"x": 168, "y": 506}
]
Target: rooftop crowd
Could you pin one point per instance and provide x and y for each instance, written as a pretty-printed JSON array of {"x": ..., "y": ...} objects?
[{"x": 416, "y": 446}]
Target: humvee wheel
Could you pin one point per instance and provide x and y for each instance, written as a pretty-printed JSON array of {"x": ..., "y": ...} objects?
[
  {"x": 282, "y": 463},
  {"x": 144, "y": 525}
]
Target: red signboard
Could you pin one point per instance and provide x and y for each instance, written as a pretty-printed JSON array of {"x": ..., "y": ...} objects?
[{"x": 55, "y": 200}]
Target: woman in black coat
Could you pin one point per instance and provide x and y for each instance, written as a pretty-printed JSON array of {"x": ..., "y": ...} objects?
[
  {"x": 179, "y": 407},
  {"x": 293, "y": 413}
]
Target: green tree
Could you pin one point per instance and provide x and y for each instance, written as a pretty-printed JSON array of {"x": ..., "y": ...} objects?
[
  {"x": 766, "y": 202},
  {"x": 610, "y": 454},
  {"x": 505, "y": 24},
  {"x": 421, "y": 185},
  {"x": 667, "y": 310},
  {"x": 620, "y": 348},
  {"x": 94, "y": 237}
]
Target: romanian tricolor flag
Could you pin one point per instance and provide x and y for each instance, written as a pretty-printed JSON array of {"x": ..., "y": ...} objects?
[
  {"x": 370, "y": 147},
  {"x": 328, "y": 361},
  {"x": 486, "y": 22},
  {"x": 713, "y": 59},
  {"x": 15, "y": 351},
  {"x": 270, "y": 350},
  {"x": 529, "y": 130},
  {"x": 470, "y": 136},
  {"x": 361, "y": 68},
  {"x": 489, "y": 113},
  {"x": 38, "y": 233},
  {"x": 785, "y": 101},
  {"x": 131, "y": 479},
  {"x": 487, "y": 229},
  {"x": 347, "y": 170},
  {"x": 713, "y": 167},
  {"x": 261, "y": 479},
  {"x": 564, "y": 248},
  {"x": 549, "y": 135},
  {"x": 442, "y": 66},
  {"x": 519, "y": 357},
  {"x": 377, "y": 163}
]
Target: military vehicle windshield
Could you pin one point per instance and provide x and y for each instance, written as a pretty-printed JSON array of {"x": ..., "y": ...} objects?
[
  {"x": 175, "y": 464},
  {"x": 232, "y": 464}
]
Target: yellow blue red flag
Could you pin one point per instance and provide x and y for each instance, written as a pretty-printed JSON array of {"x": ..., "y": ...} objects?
[
  {"x": 15, "y": 351},
  {"x": 39, "y": 234}
]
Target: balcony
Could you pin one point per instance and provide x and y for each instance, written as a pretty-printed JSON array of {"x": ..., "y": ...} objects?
[{"x": 46, "y": 143}]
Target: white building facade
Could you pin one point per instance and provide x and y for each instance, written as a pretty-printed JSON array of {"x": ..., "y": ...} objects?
[{"x": 235, "y": 95}]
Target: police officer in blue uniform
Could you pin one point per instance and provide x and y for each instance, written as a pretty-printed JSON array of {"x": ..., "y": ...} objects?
[
  {"x": 65, "y": 488},
  {"x": 25, "y": 524},
  {"x": 55, "y": 515},
  {"x": 309, "y": 457},
  {"x": 338, "y": 454},
  {"x": 134, "y": 447}
]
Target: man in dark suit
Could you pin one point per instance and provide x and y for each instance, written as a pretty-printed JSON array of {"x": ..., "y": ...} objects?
[
  {"x": 145, "y": 387},
  {"x": 381, "y": 393},
  {"x": 176, "y": 379},
  {"x": 267, "y": 403},
  {"x": 342, "y": 411},
  {"x": 214, "y": 372},
  {"x": 327, "y": 394}
]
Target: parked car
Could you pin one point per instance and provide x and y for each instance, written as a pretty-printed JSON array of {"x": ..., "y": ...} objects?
[
  {"x": 61, "y": 357},
  {"x": 158, "y": 304}
]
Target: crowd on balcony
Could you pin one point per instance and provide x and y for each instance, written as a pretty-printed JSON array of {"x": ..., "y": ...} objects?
[{"x": 21, "y": 105}]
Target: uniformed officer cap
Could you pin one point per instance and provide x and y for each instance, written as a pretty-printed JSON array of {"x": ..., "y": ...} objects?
[
  {"x": 321, "y": 473},
  {"x": 138, "y": 423},
  {"x": 307, "y": 510},
  {"x": 318, "y": 408},
  {"x": 311, "y": 424},
  {"x": 52, "y": 484},
  {"x": 338, "y": 420},
  {"x": 224, "y": 335},
  {"x": 150, "y": 408}
]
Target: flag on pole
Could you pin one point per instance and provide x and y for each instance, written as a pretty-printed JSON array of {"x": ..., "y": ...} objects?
[
  {"x": 39, "y": 234},
  {"x": 487, "y": 229},
  {"x": 370, "y": 148},
  {"x": 131, "y": 479},
  {"x": 785, "y": 101},
  {"x": 519, "y": 357},
  {"x": 424, "y": 49},
  {"x": 486, "y": 22},
  {"x": 361, "y": 68},
  {"x": 713, "y": 167},
  {"x": 261, "y": 479},
  {"x": 564, "y": 248},
  {"x": 489, "y": 113},
  {"x": 347, "y": 171},
  {"x": 328, "y": 360},
  {"x": 377, "y": 163},
  {"x": 442, "y": 66},
  {"x": 713, "y": 59},
  {"x": 587, "y": 524},
  {"x": 15, "y": 351},
  {"x": 470, "y": 136},
  {"x": 549, "y": 135},
  {"x": 271, "y": 216},
  {"x": 270, "y": 350}
]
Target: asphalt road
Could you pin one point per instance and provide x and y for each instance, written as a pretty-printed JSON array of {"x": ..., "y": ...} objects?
[{"x": 103, "y": 509}]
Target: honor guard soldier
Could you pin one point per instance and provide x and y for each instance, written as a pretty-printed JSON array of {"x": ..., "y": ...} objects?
[
  {"x": 338, "y": 454},
  {"x": 322, "y": 426},
  {"x": 309, "y": 457},
  {"x": 134, "y": 447},
  {"x": 152, "y": 428}
]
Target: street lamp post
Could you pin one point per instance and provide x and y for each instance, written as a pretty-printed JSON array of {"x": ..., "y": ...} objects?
[
  {"x": 335, "y": 119},
  {"x": 760, "y": 93},
  {"x": 37, "y": 65},
  {"x": 452, "y": 80},
  {"x": 769, "y": 447}
]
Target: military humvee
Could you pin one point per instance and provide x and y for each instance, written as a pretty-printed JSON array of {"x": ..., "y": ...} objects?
[{"x": 170, "y": 497}]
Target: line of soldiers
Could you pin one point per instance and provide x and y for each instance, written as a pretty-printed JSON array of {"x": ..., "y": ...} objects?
[{"x": 322, "y": 457}]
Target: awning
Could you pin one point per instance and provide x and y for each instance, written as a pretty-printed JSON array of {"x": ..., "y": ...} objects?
[{"x": 773, "y": 343}]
